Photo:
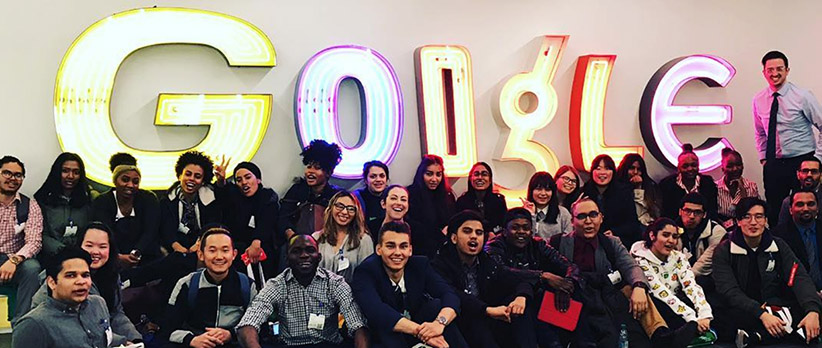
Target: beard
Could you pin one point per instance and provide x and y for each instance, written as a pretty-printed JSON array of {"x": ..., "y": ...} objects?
[{"x": 7, "y": 192}]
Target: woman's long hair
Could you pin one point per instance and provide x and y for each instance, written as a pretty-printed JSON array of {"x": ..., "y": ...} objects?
[
  {"x": 544, "y": 180},
  {"x": 52, "y": 188},
  {"x": 106, "y": 277},
  {"x": 355, "y": 229},
  {"x": 419, "y": 177},
  {"x": 471, "y": 189},
  {"x": 649, "y": 185}
]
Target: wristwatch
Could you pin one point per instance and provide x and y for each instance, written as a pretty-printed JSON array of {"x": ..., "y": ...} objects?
[
  {"x": 442, "y": 320},
  {"x": 15, "y": 259}
]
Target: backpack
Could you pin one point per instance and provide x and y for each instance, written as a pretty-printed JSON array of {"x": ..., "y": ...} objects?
[
  {"x": 22, "y": 208},
  {"x": 194, "y": 288}
]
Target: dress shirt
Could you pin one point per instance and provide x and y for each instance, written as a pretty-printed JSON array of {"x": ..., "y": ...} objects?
[
  {"x": 798, "y": 113},
  {"x": 328, "y": 294},
  {"x": 585, "y": 252},
  {"x": 28, "y": 242}
]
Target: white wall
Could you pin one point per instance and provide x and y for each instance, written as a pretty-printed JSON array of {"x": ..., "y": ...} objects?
[{"x": 502, "y": 36}]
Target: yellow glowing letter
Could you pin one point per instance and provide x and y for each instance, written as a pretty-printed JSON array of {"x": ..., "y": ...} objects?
[
  {"x": 524, "y": 122},
  {"x": 445, "y": 93},
  {"x": 85, "y": 80},
  {"x": 587, "y": 121}
]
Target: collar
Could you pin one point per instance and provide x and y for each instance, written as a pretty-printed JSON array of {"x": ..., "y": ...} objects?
[
  {"x": 682, "y": 185},
  {"x": 806, "y": 229},
  {"x": 593, "y": 241},
  {"x": 205, "y": 194},
  {"x": 117, "y": 205},
  {"x": 289, "y": 275},
  {"x": 739, "y": 247},
  {"x": 640, "y": 250},
  {"x": 400, "y": 284},
  {"x": 15, "y": 199},
  {"x": 782, "y": 90},
  {"x": 66, "y": 307}
]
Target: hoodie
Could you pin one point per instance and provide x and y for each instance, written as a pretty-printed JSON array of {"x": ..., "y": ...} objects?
[{"x": 671, "y": 277}]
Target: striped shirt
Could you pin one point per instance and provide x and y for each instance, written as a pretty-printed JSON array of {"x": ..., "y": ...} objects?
[
  {"x": 727, "y": 202},
  {"x": 26, "y": 242},
  {"x": 327, "y": 295}
]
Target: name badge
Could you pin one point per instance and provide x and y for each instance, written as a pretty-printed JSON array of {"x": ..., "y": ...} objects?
[
  {"x": 183, "y": 228},
  {"x": 771, "y": 266},
  {"x": 19, "y": 228},
  {"x": 251, "y": 222},
  {"x": 316, "y": 321},
  {"x": 344, "y": 263},
  {"x": 70, "y": 231}
]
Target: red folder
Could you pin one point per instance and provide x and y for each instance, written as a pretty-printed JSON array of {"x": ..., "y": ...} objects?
[{"x": 549, "y": 313}]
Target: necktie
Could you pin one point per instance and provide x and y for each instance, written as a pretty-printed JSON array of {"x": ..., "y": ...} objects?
[
  {"x": 770, "y": 152},
  {"x": 540, "y": 216}
]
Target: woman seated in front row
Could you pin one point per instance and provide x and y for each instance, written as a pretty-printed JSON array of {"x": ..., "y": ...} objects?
[{"x": 676, "y": 294}]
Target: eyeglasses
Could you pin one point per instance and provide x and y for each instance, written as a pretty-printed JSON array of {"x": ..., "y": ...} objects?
[
  {"x": 693, "y": 212},
  {"x": 349, "y": 208},
  {"x": 751, "y": 217},
  {"x": 807, "y": 171},
  {"x": 566, "y": 179},
  {"x": 779, "y": 69},
  {"x": 9, "y": 174},
  {"x": 593, "y": 215}
]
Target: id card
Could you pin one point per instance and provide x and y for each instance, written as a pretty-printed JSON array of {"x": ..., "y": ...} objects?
[
  {"x": 771, "y": 266},
  {"x": 70, "y": 231},
  {"x": 343, "y": 264},
  {"x": 251, "y": 222},
  {"x": 316, "y": 321},
  {"x": 19, "y": 228},
  {"x": 183, "y": 228}
]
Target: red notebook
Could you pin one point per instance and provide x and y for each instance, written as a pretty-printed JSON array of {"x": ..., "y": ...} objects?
[{"x": 549, "y": 313}]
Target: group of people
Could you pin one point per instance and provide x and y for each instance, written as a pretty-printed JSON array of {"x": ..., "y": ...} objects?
[{"x": 685, "y": 262}]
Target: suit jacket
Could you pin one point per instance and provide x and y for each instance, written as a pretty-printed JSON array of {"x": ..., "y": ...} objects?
[
  {"x": 374, "y": 292},
  {"x": 790, "y": 234}
]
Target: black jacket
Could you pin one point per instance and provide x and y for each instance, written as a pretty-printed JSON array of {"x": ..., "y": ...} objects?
[
  {"x": 140, "y": 232},
  {"x": 372, "y": 211},
  {"x": 264, "y": 206},
  {"x": 617, "y": 203},
  {"x": 209, "y": 208},
  {"x": 672, "y": 194},
  {"x": 493, "y": 207},
  {"x": 530, "y": 262},
  {"x": 790, "y": 234},
  {"x": 731, "y": 268},
  {"x": 432, "y": 214},
  {"x": 496, "y": 283},
  {"x": 301, "y": 200}
]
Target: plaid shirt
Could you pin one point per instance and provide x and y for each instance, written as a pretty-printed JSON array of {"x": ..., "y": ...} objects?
[
  {"x": 28, "y": 242},
  {"x": 328, "y": 295}
]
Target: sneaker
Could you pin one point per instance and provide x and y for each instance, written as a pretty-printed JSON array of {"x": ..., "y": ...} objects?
[
  {"x": 745, "y": 339},
  {"x": 742, "y": 338},
  {"x": 706, "y": 339}
]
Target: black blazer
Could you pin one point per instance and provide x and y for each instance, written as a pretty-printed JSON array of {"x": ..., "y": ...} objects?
[
  {"x": 617, "y": 204},
  {"x": 790, "y": 234},
  {"x": 140, "y": 232},
  {"x": 374, "y": 292},
  {"x": 210, "y": 213}
]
